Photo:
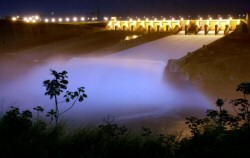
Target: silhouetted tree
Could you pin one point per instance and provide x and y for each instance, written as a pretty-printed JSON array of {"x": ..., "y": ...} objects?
[
  {"x": 38, "y": 109},
  {"x": 58, "y": 85},
  {"x": 241, "y": 105}
]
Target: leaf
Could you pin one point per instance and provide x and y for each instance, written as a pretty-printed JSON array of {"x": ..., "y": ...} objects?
[{"x": 67, "y": 100}]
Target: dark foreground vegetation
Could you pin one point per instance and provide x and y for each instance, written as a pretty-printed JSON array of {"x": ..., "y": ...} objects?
[{"x": 219, "y": 134}]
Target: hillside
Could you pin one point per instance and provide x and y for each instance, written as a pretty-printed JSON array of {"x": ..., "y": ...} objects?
[{"x": 218, "y": 67}]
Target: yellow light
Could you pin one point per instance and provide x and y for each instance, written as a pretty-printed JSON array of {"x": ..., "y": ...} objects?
[
  {"x": 33, "y": 20},
  {"x": 230, "y": 18},
  {"x": 25, "y": 19},
  {"x": 134, "y": 36},
  {"x": 60, "y": 19},
  {"x": 139, "y": 19},
  {"x": 147, "y": 19},
  {"x": 210, "y": 18},
  {"x": 37, "y": 17},
  {"x": 53, "y": 20},
  {"x": 30, "y": 18},
  {"x": 46, "y": 20},
  {"x": 172, "y": 18},
  {"x": 93, "y": 18},
  {"x": 220, "y": 18},
  {"x": 155, "y": 19},
  {"x": 67, "y": 19},
  {"x": 75, "y": 19},
  {"x": 200, "y": 18},
  {"x": 82, "y": 19},
  {"x": 14, "y": 18},
  {"x": 130, "y": 19},
  {"x": 182, "y": 19},
  {"x": 105, "y": 18}
]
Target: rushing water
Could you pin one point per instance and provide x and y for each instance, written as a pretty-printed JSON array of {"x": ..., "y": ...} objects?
[{"x": 128, "y": 85}]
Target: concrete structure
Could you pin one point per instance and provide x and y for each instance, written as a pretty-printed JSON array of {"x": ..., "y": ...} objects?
[{"x": 209, "y": 26}]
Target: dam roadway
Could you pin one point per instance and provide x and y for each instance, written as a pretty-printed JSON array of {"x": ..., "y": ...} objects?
[{"x": 127, "y": 85}]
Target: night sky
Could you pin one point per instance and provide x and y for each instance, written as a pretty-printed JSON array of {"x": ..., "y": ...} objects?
[{"x": 125, "y": 7}]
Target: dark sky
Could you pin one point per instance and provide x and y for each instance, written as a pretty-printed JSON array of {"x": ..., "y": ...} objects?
[{"x": 125, "y": 7}]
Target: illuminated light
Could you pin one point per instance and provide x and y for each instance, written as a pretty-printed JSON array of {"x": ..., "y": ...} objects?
[
  {"x": 131, "y": 37},
  {"x": 53, "y": 20},
  {"x": 33, "y": 20},
  {"x": 230, "y": 18},
  {"x": 46, "y": 20},
  {"x": 60, "y": 19},
  {"x": 82, "y": 19},
  {"x": 147, "y": 19},
  {"x": 25, "y": 19},
  {"x": 67, "y": 19},
  {"x": 182, "y": 19},
  {"x": 75, "y": 19},
  {"x": 210, "y": 18},
  {"x": 14, "y": 18},
  {"x": 155, "y": 19},
  {"x": 37, "y": 17},
  {"x": 17, "y": 17},
  {"x": 200, "y": 18},
  {"x": 139, "y": 19},
  {"x": 130, "y": 19},
  {"x": 220, "y": 18},
  {"x": 172, "y": 18},
  {"x": 164, "y": 19},
  {"x": 30, "y": 18},
  {"x": 105, "y": 18}
]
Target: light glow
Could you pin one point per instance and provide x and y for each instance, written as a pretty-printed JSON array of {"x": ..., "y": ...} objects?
[
  {"x": 14, "y": 18},
  {"x": 75, "y": 19},
  {"x": 37, "y": 17}
]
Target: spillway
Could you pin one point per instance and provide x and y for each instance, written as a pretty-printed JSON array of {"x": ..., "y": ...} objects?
[{"x": 128, "y": 85}]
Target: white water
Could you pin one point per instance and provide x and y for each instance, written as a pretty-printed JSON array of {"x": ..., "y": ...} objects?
[{"x": 128, "y": 85}]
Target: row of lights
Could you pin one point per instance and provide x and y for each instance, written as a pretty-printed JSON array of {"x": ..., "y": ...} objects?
[
  {"x": 164, "y": 19},
  {"x": 172, "y": 17},
  {"x": 37, "y": 18}
]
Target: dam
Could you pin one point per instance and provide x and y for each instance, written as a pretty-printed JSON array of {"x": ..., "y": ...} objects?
[{"x": 182, "y": 26}]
